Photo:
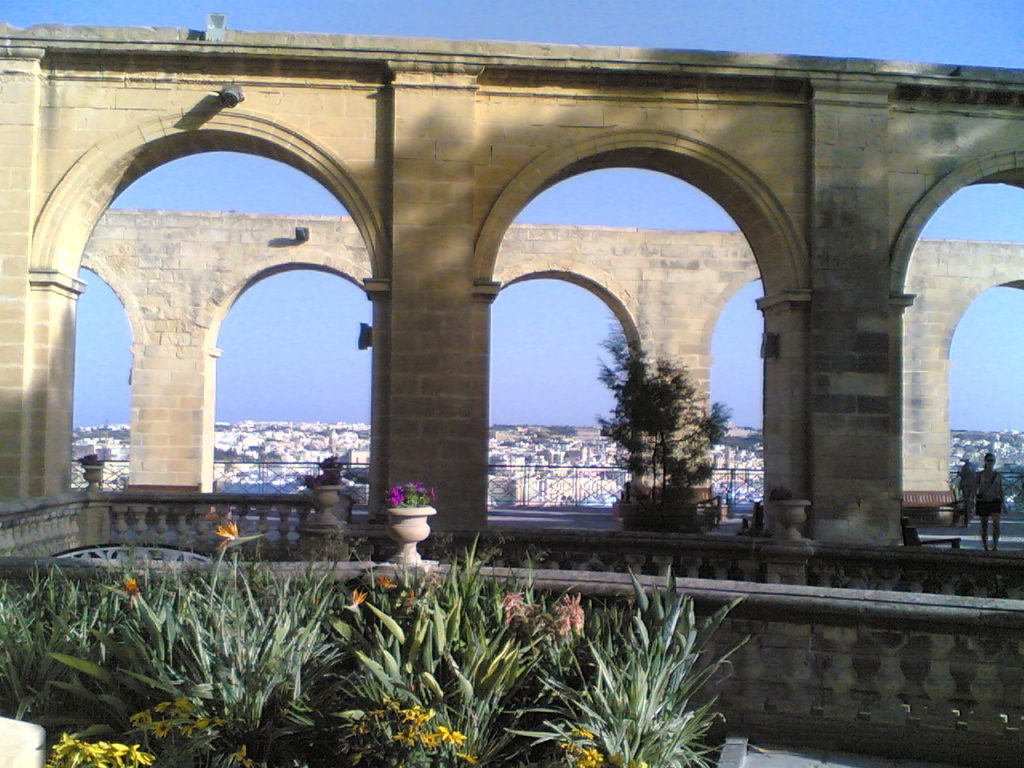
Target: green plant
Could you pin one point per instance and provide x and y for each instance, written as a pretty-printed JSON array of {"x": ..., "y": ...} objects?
[
  {"x": 660, "y": 422},
  {"x": 230, "y": 667},
  {"x": 49, "y": 613},
  {"x": 438, "y": 646},
  {"x": 643, "y": 673}
]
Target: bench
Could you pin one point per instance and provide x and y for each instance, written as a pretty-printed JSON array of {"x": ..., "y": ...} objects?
[
  {"x": 929, "y": 507},
  {"x": 912, "y": 539},
  {"x": 709, "y": 507}
]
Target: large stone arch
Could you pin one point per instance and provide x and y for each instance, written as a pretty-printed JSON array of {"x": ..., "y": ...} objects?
[
  {"x": 779, "y": 250},
  {"x": 1001, "y": 167},
  {"x": 929, "y": 324},
  {"x": 73, "y": 208}
]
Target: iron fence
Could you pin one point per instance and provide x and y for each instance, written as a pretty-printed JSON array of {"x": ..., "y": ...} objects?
[
  {"x": 509, "y": 485},
  {"x": 553, "y": 486},
  {"x": 267, "y": 477}
]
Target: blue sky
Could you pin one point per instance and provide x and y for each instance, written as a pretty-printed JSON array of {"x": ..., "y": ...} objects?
[{"x": 549, "y": 332}]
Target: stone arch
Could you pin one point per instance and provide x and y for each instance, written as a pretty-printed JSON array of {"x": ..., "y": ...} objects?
[
  {"x": 618, "y": 308},
  {"x": 126, "y": 296},
  {"x": 75, "y": 205},
  {"x": 728, "y": 293},
  {"x": 1003, "y": 167},
  {"x": 778, "y": 249},
  {"x": 222, "y": 303}
]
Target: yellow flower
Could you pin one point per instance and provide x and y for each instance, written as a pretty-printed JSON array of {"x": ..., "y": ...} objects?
[
  {"x": 583, "y": 733},
  {"x": 407, "y": 736},
  {"x": 142, "y": 718},
  {"x": 468, "y": 758},
  {"x": 228, "y": 530},
  {"x": 359, "y": 597},
  {"x": 431, "y": 740},
  {"x": 241, "y": 756},
  {"x": 448, "y": 736},
  {"x": 162, "y": 727}
]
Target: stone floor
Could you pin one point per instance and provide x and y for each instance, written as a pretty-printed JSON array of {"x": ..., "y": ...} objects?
[{"x": 739, "y": 754}]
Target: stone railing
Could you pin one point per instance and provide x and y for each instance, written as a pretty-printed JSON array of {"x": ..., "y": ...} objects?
[
  {"x": 743, "y": 558},
  {"x": 923, "y": 677},
  {"x": 189, "y": 521},
  {"x": 39, "y": 527}
]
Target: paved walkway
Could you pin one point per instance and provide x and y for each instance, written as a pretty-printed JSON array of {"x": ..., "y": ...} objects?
[{"x": 772, "y": 757}]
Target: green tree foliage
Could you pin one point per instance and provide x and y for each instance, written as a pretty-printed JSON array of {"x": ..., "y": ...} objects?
[{"x": 660, "y": 421}]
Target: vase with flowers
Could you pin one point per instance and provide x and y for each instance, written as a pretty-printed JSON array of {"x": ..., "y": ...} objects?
[
  {"x": 92, "y": 470},
  {"x": 408, "y": 519}
]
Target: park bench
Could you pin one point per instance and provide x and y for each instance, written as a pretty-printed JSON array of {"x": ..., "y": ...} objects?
[
  {"x": 912, "y": 539},
  {"x": 929, "y": 506},
  {"x": 709, "y": 507}
]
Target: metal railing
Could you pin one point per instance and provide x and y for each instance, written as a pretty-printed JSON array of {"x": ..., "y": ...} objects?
[
  {"x": 508, "y": 485},
  {"x": 553, "y": 486},
  {"x": 1013, "y": 489}
]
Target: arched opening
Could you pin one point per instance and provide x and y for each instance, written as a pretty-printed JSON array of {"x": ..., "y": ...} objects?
[
  {"x": 186, "y": 238},
  {"x": 962, "y": 365},
  {"x": 292, "y": 385},
  {"x": 664, "y": 257},
  {"x": 101, "y": 407}
]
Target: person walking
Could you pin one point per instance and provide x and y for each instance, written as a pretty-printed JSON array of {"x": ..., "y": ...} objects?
[
  {"x": 989, "y": 500},
  {"x": 968, "y": 477}
]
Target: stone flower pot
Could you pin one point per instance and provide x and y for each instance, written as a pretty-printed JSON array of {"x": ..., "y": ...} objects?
[
  {"x": 407, "y": 527},
  {"x": 787, "y": 518},
  {"x": 93, "y": 474}
]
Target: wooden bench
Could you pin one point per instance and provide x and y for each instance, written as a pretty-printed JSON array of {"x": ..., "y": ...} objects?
[
  {"x": 709, "y": 507},
  {"x": 912, "y": 539},
  {"x": 929, "y": 507}
]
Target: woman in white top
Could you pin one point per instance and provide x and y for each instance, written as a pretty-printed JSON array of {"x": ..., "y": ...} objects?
[{"x": 989, "y": 500}]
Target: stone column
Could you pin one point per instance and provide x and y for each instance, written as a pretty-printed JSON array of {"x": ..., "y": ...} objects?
[
  {"x": 173, "y": 398},
  {"x": 22, "y": 453},
  {"x": 437, "y": 384},
  {"x": 53, "y": 298},
  {"x": 378, "y": 291},
  {"x": 854, "y": 357},
  {"x": 784, "y": 350}
]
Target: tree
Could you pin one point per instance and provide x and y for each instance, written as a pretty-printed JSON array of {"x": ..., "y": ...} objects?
[{"x": 660, "y": 421}]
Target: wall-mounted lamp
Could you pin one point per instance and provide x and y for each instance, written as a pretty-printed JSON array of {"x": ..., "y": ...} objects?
[
  {"x": 302, "y": 234},
  {"x": 365, "y": 336},
  {"x": 231, "y": 95}
]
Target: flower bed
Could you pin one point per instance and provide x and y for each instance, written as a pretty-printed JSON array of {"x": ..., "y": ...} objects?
[{"x": 239, "y": 665}]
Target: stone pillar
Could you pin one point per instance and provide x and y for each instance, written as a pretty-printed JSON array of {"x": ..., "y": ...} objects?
[
  {"x": 52, "y": 301},
  {"x": 437, "y": 386},
  {"x": 173, "y": 398},
  {"x": 926, "y": 439},
  {"x": 22, "y": 454},
  {"x": 784, "y": 350},
  {"x": 854, "y": 356},
  {"x": 378, "y": 291}
]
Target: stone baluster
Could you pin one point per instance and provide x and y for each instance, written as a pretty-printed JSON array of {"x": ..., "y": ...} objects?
[
  {"x": 119, "y": 523},
  {"x": 163, "y": 533},
  {"x": 664, "y": 566},
  {"x": 832, "y": 646},
  {"x": 866, "y": 663},
  {"x": 889, "y": 681}
]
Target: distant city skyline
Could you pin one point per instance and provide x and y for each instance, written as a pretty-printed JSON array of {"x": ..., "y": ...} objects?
[{"x": 987, "y": 354}]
